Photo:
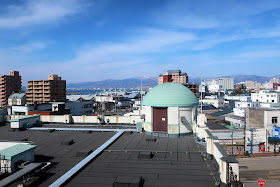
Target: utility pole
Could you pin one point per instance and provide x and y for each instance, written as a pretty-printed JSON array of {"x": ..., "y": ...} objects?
[
  {"x": 232, "y": 143},
  {"x": 201, "y": 93},
  {"x": 244, "y": 136},
  {"x": 141, "y": 96},
  {"x": 252, "y": 137}
]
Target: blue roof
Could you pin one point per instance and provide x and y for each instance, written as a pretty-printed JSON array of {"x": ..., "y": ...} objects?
[{"x": 16, "y": 150}]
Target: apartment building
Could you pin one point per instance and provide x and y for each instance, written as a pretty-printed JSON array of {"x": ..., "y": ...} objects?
[
  {"x": 227, "y": 83},
  {"x": 266, "y": 96},
  {"x": 175, "y": 76},
  {"x": 8, "y": 85},
  {"x": 252, "y": 84},
  {"x": 44, "y": 91}
]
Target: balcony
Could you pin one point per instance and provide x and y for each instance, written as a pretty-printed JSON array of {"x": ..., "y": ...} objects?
[
  {"x": 38, "y": 83},
  {"x": 29, "y": 84},
  {"x": 47, "y": 100},
  {"x": 38, "y": 91},
  {"x": 38, "y": 99}
]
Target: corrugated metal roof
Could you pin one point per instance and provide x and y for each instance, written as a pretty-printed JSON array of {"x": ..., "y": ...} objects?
[{"x": 16, "y": 150}]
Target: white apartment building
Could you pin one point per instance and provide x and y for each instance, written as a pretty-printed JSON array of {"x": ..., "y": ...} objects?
[
  {"x": 266, "y": 96},
  {"x": 227, "y": 83},
  {"x": 241, "y": 106}
]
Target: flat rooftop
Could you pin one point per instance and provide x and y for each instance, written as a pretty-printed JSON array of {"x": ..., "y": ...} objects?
[
  {"x": 260, "y": 168},
  {"x": 174, "y": 161}
]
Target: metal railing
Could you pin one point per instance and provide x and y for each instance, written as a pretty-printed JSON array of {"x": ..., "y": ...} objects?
[{"x": 232, "y": 179}]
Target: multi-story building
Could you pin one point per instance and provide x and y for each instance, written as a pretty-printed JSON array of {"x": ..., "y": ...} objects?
[
  {"x": 266, "y": 96},
  {"x": 175, "y": 76},
  {"x": 274, "y": 80},
  {"x": 227, "y": 83},
  {"x": 8, "y": 85},
  {"x": 44, "y": 91},
  {"x": 252, "y": 84}
]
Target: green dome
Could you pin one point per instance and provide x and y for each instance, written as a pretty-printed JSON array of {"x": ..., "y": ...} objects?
[{"x": 170, "y": 95}]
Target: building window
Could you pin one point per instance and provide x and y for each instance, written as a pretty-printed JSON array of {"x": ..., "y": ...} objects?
[
  {"x": 274, "y": 119},
  {"x": 272, "y": 101}
]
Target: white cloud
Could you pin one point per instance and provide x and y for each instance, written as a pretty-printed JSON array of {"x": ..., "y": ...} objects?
[
  {"x": 40, "y": 11},
  {"x": 199, "y": 14},
  {"x": 146, "y": 41},
  {"x": 29, "y": 47}
]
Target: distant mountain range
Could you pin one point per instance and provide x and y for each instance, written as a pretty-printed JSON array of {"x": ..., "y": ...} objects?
[
  {"x": 111, "y": 83},
  {"x": 152, "y": 81}
]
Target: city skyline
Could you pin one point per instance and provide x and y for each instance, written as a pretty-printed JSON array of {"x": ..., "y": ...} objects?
[{"x": 84, "y": 40}]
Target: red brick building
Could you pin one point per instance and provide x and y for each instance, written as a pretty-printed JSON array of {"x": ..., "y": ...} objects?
[
  {"x": 175, "y": 76},
  {"x": 9, "y": 84}
]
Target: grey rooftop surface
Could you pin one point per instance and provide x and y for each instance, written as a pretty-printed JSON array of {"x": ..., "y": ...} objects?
[
  {"x": 50, "y": 149},
  {"x": 161, "y": 162},
  {"x": 170, "y": 165}
]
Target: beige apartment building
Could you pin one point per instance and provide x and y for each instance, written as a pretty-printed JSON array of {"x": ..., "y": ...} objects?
[
  {"x": 9, "y": 84},
  {"x": 175, "y": 76},
  {"x": 44, "y": 91}
]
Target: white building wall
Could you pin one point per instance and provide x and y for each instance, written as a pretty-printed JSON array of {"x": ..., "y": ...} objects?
[
  {"x": 268, "y": 119},
  {"x": 104, "y": 98},
  {"x": 218, "y": 103},
  {"x": 241, "y": 104},
  {"x": 239, "y": 112},
  {"x": 78, "y": 108},
  {"x": 265, "y": 96}
]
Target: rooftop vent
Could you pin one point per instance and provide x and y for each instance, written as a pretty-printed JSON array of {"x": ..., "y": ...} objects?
[
  {"x": 151, "y": 140},
  {"x": 122, "y": 181},
  {"x": 83, "y": 152},
  {"x": 67, "y": 142},
  {"x": 145, "y": 155}
]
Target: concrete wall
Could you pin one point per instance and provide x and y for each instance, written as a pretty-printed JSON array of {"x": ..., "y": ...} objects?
[
  {"x": 255, "y": 119},
  {"x": 83, "y": 119},
  {"x": 174, "y": 114},
  {"x": 216, "y": 150},
  {"x": 123, "y": 119}
]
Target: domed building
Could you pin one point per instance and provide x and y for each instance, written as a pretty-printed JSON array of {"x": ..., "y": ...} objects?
[{"x": 170, "y": 110}]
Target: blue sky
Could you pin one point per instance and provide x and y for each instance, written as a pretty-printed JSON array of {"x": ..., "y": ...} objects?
[{"x": 88, "y": 40}]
